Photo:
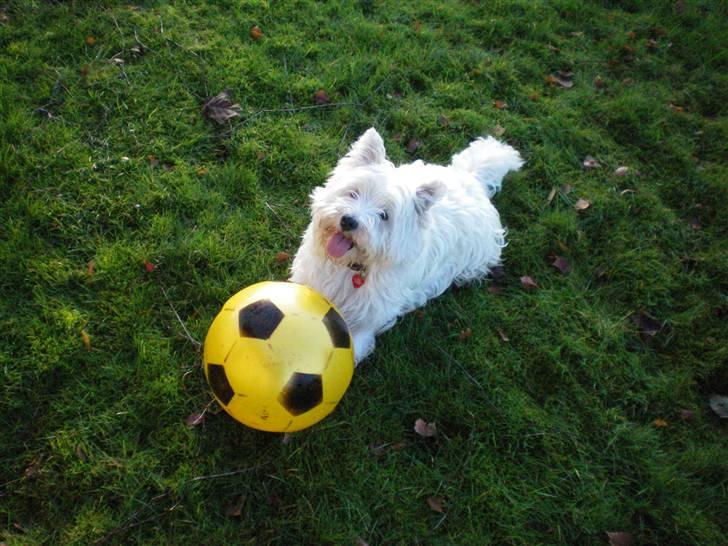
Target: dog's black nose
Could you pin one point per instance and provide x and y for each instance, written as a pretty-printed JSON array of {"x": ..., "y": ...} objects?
[{"x": 348, "y": 223}]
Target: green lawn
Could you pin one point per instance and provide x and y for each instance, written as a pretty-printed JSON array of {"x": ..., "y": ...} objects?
[{"x": 573, "y": 427}]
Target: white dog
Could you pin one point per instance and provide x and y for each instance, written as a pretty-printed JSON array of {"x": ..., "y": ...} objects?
[{"x": 384, "y": 239}]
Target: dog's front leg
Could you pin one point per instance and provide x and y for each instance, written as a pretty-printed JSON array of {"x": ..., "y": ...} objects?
[{"x": 363, "y": 345}]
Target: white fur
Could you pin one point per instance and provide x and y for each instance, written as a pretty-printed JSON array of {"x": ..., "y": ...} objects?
[{"x": 441, "y": 229}]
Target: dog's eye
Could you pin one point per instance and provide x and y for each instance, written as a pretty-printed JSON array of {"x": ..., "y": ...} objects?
[
  {"x": 353, "y": 194},
  {"x": 383, "y": 215}
]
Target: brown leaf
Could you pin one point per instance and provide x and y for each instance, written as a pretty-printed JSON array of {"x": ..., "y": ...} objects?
[
  {"x": 566, "y": 188},
  {"x": 412, "y": 145},
  {"x": 149, "y": 266},
  {"x": 282, "y": 257},
  {"x": 719, "y": 404},
  {"x": 659, "y": 423},
  {"x": 499, "y": 130},
  {"x": 90, "y": 40},
  {"x": 551, "y": 196},
  {"x": 86, "y": 340},
  {"x": 256, "y": 33},
  {"x": 502, "y": 335},
  {"x": 561, "y": 264},
  {"x": 652, "y": 44},
  {"x": 621, "y": 171},
  {"x": 465, "y": 334},
  {"x": 444, "y": 121},
  {"x": 501, "y": 105},
  {"x": 320, "y": 97},
  {"x": 590, "y": 163},
  {"x": 220, "y": 108},
  {"x": 582, "y": 204},
  {"x": 620, "y": 538},
  {"x": 90, "y": 268},
  {"x": 646, "y": 325},
  {"x": 561, "y": 79},
  {"x": 686, "y": 415},
  {"x": 676, "y": 108},
  {"x": 599, "y": 83},
  {"x": 202, "y": 171},
  {"x": 195, "y": 419},
  {"x": 528, "y": 283},
  {"x": 425, "y": 429},
  {"x": 533, "y": 96},
  {"x": 234, "y": 510},
  {"x": 435, "y": 504}
]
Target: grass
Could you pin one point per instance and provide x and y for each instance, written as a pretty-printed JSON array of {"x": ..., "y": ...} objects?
[{"x": 554, "y": 437}]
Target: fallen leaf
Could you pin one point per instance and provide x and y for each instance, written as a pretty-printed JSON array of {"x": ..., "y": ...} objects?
[
  {"x": 534, "y": 96},
  {"x": 652, "y": 44},
  {"x": 320, "y": 97},
  {"x": 590, "y": 163},
  {"x": 686, "y": 414},
  {"x": 528, "y": 283},
  {"x": 149, "y": 266},
  {"x": 153, "y": 161},
  {"x": 620, "y": 538},
  {"x": 659, "y": 423},
  {"x": 551, "y": 196},
  {"x": 465, "y": 334},
  {"x": 577, "y": 34},
  {"x": 621, "y": 171},
  {"x": 282, "y": 257},
  {"x": 499, "y": 130},
  {"x": 552, "y": 48},
  {"x": 625, "y": 192},
  {"x": 361, "y": 542},
  {"x": 425, "y": 429},
  {"x": 582, "y": 204},
  {"x": 195, "y": 419},
  {"x": 435, "y": 504},
  {"x": 646, "y": 325},
  {"x": 412, "y": 145},
  {"x": 234, "y": 510},
  {"x": 90, "y": 268},
  {"x": 256, "y": 33},
  {"x": 719, "y": 404},
  {"x": 561, "y": 79},
  {"x": 90, "y": 40},
  {"x": 501, "y": 105},
  {"x": 202, "y": 171},
  {"x": 599, "y": 83},
  {"x": 86, "y": 340},
  {"x": 502, "y": 335},
  {"x": 561, "y": 264},
  {"x": 631, "y": 35},
  {"x": 566, "y": 188},
  {"x": 444, "y": 121},
  {"x": 676, "y": 108},
  {"x": 220, "y": 108}
]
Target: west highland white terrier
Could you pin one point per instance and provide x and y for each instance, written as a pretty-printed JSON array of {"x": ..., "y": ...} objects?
[{"x": 383, "y": 239}]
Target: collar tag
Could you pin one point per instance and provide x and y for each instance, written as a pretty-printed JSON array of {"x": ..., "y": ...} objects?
[{"x": 357, "y": 280}]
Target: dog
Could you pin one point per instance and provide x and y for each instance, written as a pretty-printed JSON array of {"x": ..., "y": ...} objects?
[{"x": 383, "y": 240}]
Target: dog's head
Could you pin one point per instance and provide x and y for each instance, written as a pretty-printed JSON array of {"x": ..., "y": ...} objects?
[{"x": 371, "y": 212}]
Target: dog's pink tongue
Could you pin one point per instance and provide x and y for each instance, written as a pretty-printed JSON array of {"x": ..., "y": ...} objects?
[{"x": 338, "y": 245}]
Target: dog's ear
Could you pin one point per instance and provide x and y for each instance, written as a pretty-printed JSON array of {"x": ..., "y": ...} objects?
[
  {"x": 427, "y": 194},
  {"x": 368, "y": 150}
]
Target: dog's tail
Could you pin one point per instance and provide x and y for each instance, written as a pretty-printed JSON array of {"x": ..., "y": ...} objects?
[{"x": 489, "y": 160}]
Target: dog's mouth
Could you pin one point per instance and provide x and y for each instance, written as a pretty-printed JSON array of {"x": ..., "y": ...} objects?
[{"x": 338, "y": 245}]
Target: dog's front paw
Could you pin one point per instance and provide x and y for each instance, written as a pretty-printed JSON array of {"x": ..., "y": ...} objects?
[{"x": 363, "y": 346}]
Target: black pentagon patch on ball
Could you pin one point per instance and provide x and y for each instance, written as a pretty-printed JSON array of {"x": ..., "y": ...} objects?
[
  {"x": 219, "y": 383},
  {"x": 338, "y": 331},
  {"x": 303, "y": 392},
  {"x": 259, "y": 319}
]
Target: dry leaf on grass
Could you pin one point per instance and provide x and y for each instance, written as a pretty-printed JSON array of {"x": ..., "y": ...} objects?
[
  {"x": 561, "y": 78},
  {"x": 435, "y": 504},
  {"x": 234, "y": 510},
  {"x": 499, "y": 130},
  {"x": 220, "y": 108},
  {"x": 528, "y": 283},
  {"x": 582, "y": 204},
  {"x": 425, "y": 429},
  {"x": 90, "y": 268},
  {"x": 620, "y": 538},
  {"x": 256, "y": 33},
  {"x": 719, "y": 404},
  {"x": 86, "y": 340},
  {"x": 561, "y": 264},
  {"x": 443, "y": 121},
  {"x": 590, "y": 163},
  {"x": 149, "y": 266},
  {"x": 465, "y": 334},
  {"x": 195, "y": 419},
  {"x": 412, "y": 145},
  {"x": 282, "y": 257},
  {"x": 659, "y": 423},
  {"x": 500, "y": 104},
  {"x": 551, "y": 196},
  {"x": 621, "y": 171},
  {"x": 321, "y": 97},
  {"x": 502, "y": 335}
]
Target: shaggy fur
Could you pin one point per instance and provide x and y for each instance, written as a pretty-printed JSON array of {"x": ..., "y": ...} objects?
[{"x": 408, "y": 232}]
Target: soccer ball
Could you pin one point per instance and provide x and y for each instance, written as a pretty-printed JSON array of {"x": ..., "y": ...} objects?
[{"x": 278, "y": 357}]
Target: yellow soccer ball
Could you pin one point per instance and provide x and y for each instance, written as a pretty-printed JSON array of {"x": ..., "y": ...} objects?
[{"x": 278, "y": 357}]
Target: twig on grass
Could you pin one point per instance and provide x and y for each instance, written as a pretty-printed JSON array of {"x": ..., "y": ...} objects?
[{"x": 187, "y": 332}]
